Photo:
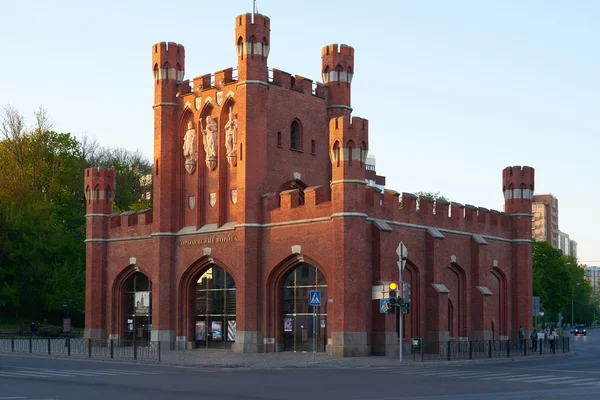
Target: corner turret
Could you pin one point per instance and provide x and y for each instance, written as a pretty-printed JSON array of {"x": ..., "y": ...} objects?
[
  {"x": 99, "y": 184},
  {"x": 348, "y": 148},
  {"x": 337, "y": 69},
  {"x": 517, "y": 186},
  {"x": 168, "y": 68},
  {"x": 252, "y": 41}
]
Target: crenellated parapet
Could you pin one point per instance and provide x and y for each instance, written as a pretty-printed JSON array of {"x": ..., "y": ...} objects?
[
  {"x": 297, "y": 83},
  {"x": 337, "y": 71},
  {"x": 130, "y": 224}
]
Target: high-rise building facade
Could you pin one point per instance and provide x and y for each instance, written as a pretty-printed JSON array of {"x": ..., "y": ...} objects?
[{"x": 545, "y": 219}]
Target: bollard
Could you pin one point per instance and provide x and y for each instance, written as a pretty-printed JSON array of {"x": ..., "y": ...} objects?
[
  {"x": 12, "y": 344},
  {"x": 134, "y": 350},
  {"x": 158, "y": 351},
  {"x": 470, "y": 350},
  {"x": 69, "y": 346},
  {"x": 508, "y": 348},
  {"x": 524, "y": 347},
  {"x": 30, "y": 344},
  {"x": 568, "y": 345},
  {"x": 112, "y": 350},
  {"x": 48, "y": 346},
  {"x": 490, "y": 349},
  {"x": 448, "y": 350},
  {"x": 541, "y": 343},
  {"x": 90, "y": 347}
]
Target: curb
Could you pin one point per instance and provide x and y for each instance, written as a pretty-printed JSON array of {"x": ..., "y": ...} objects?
[{"x": 325, "y": 364}]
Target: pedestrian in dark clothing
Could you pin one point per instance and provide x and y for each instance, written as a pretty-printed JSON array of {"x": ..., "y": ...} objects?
[
  {"x": 521, "y": 337},
  {"x": 33, "y": 328},
  {"x": 534, "y": 340}
]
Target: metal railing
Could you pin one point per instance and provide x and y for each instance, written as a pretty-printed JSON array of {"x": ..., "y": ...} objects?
[
  {"x": 114, "y": 349},
  {"x": 469, "y": 350}
]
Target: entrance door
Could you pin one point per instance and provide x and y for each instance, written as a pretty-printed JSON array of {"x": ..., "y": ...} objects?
[{"x": 299, "y": 323}]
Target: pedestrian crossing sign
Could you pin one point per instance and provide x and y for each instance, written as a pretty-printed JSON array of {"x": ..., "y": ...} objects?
[
  {"x": 315, "y": 298},
  {"x": 384, "y": 306}
]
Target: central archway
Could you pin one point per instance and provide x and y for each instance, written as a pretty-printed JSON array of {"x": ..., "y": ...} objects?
[{"x": 299, "y": 328}]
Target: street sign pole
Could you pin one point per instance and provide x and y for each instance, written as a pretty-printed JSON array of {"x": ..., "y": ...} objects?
[
  {"x": 314, "y": 332},
  {"x": 315, "y": 301},
  {"x": 401, "y": 251}
]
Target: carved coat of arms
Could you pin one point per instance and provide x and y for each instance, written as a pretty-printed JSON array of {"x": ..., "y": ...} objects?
[
  {"x": 192, "y": 202},
  {"x": 198, "y": 103},
  {"x": 234, "y": 196},
  {"x": 219, "y": 98},
  {"x": 212, "y": 199}
]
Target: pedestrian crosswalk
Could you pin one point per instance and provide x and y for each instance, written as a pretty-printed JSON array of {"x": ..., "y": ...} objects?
[
  {"x": 28, "y": 372},
  {"x": 558, "y": 378}
]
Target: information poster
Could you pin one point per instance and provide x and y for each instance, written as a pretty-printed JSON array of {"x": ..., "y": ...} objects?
[
  {"x": 200, "y": 330},
  {"x": 288, "y": 325},
  {"x": 66, "y": 324},
  {"x": 130, "y": 325},
  {"x": 217, "y": 330},
  {"x": 142, "y": 303}
]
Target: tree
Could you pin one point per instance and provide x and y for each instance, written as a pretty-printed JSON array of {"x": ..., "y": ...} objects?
[
  {"x": 435, "y": 196},
  {"x": 557, "y": 279}
]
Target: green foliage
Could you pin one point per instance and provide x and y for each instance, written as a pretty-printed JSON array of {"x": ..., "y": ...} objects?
[
  {"x": 49, "y": 331},
  {"x": 558, "y": 279},
  {"x": 42, "y": 208}
]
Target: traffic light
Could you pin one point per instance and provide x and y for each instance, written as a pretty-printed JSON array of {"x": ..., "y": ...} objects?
[
  {"x": 407, "y": 292},
  {"x": 406, "y": 308},
  {"x": 393, "y": 295}
]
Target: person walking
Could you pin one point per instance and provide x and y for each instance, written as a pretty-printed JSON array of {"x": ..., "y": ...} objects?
[
  {"x": 33, "y": 329},
  {"x": 534, "y": 340},
  {"x": 552, "y": 340},
  {"x": 521, "y": 337}
]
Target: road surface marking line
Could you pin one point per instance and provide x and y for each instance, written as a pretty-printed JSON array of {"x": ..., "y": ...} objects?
[
  {"x": 11, "y": 398},
  {"x": 89, "y": 373},
  {"x": 524, "y": 377},
  {"x": 573, "y": 382},
  {"x": 554, "y": 378},
  {"x": 586, "y": 383},
  {"x": 482, "y": 375},
  {"x": 497, "y": 376},
  {"x": 53, "y": 373},
  {"x": 16, "y": 375}
]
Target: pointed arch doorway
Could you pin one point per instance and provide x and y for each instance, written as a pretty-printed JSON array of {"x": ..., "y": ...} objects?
[{"x": 298, "y": 325}]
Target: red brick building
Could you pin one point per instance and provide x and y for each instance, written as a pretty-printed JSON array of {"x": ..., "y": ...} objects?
[{"x": 260, "y": 196}]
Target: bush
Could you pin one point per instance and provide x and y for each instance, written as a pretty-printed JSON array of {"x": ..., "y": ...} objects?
[{"x": 49, "y": 331}]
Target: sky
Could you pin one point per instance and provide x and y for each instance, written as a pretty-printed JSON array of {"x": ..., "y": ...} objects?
[{"x": 454, "y": 91}]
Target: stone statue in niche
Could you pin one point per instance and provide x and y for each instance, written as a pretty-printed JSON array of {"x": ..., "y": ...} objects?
[
  {"x": 210, "y": 142},
  {"x": 189, "y": 148},
  {"x": 231, "y": 139}
]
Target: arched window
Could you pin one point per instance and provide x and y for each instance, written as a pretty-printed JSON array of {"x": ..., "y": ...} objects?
[
  {"x": 240, "y": 47},
  {"x": 265, "y": 53},
  {"x": 97, "y": 193},
  {"x": 252, "y": 44},
  {"x": 338, "y": 73},
  {"x": 336, "y": 153},
  {"x": 156, "y": 73},
  {"x": 278, "y": 139},
  {"x": 326, "y": 74},
  {"x": 295, "y": 136},
  {"x": 298, "y": 314},
  {"x": 214, "y": 307}
]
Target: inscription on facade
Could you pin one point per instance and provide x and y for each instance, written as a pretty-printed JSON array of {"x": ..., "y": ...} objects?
[{"x": 208, "y": 240}]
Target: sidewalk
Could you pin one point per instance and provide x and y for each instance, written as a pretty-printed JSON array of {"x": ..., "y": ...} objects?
[{"x": 226, "y": 359}]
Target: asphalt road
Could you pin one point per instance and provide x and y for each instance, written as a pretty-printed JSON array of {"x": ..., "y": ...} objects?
[{"x": 554, "y": 377}]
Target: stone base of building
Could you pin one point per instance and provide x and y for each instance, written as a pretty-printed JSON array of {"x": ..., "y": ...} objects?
[
  {"x": 94, "y": 333},
  {"x": 479, "y": 336},
  {"x": 248, "y": 342},
  {"x": 166, "y": 337},
  {"x": 348, "y": 344}
]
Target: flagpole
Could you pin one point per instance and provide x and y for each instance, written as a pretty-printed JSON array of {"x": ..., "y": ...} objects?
[{"x": 253, "y": 9}]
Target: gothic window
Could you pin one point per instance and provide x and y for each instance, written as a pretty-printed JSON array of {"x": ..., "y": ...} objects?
[
  {"x": 295, "y": 136},
  {"x": 313, "y": 149},
  {"x": 278, "y": 139}
]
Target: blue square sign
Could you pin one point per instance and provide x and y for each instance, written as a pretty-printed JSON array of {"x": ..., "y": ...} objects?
[
  {"x": 315, "y": 298},
  {"x": 384, "y": 306}
]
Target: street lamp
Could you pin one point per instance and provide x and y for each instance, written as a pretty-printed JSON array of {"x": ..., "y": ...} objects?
[{"x": 572, "y": 307}]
